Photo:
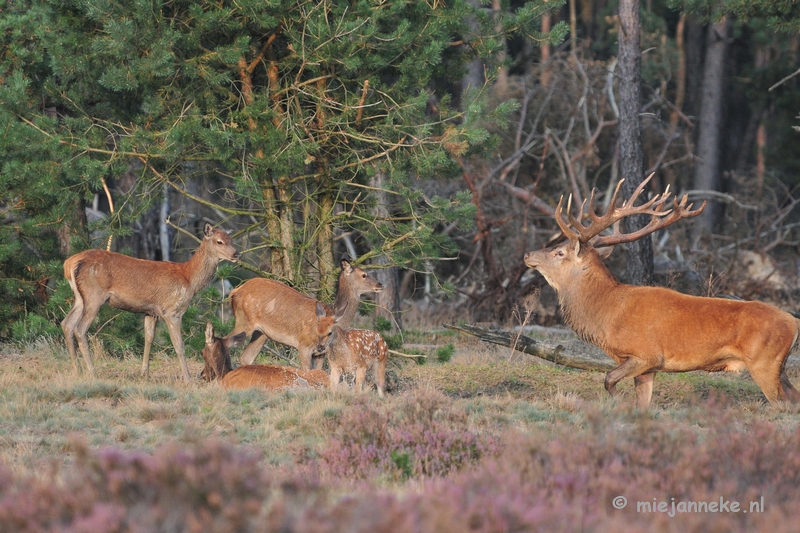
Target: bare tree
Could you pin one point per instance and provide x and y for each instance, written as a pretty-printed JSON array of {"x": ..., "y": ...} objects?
[
  {"x": 706, "y": 176},
  {"x": 639, "y": 253}
]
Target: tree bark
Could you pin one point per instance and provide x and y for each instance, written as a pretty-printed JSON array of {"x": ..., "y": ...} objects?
[
  {"x": 706, "y": 176},
  {"x": 73, "y": 225},
  {"x": 325, "y": 249},
  {"x": 639, "y": 255},
  {"x": 387, "y": 302},
  {"x": 163, "y": 228}
]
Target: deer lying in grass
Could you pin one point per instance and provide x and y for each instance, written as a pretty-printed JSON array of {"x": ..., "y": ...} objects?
[
  {"x": 653, "y": 329},
  {"x": 267, "y": 309},
  {"x": 216, "y": 355},
  {"x": 352, "y": 351},
  {"x": 159, "y": 289}
]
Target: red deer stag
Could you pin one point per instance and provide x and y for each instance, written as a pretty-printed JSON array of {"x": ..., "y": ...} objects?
[
  {"x": 216, "y": 355},
  {"x": 159, "y": 289},
  {"x": 267, "y": 309},
  {"x": 653, "y": 329},
  {"x": 352, "y": 351}
]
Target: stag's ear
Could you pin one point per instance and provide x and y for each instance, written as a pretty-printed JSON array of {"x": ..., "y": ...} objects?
[
  {"x": 576, "y": 247},
  {"x": 208, "y": 230},
  {"x": 605, "y": 251},
  {"x": 347, "y": 268}
]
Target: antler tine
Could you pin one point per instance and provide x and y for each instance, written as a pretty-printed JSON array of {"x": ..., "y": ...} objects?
[
  {"x": 660, "y": 219},
  {"x": 559, "y": 216}
]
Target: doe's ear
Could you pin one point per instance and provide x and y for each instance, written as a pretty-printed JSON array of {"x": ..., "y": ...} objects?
[
  {"x": 320, "y": 310},
  {"x": 347, "y": 268},
  {"x": 605, "y": 251},
  {"x": 208, "y": 230},
  {"x": 209, "y": 333}
]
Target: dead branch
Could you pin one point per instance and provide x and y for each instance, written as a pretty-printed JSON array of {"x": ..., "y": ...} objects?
[
  {"x": 409, "y": 355},
  {"x": 554, "y": 354}
]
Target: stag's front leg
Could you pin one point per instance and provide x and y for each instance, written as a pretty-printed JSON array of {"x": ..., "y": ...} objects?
[
  {"x": 644, "y": 389},
  {"x": 631, "y": 367}
]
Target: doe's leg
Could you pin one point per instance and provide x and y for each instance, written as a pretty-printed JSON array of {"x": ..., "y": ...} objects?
[
  {"x": 149, "y": 334},
  {"x": 175, "y": 335}
]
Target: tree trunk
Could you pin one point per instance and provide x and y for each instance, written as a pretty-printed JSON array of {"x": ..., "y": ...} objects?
[
  {"x": 72, "y": 226},
  {"x": 325, "y": 249},
  {"x": 163, "y": 228},
  {"x": 639, "y": 256},
  {"x": 706, "y": 175},
  {"x": 387, "y": 302}
]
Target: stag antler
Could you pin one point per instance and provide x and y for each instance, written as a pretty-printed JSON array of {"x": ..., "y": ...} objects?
[{"x": 661, "y": 218}]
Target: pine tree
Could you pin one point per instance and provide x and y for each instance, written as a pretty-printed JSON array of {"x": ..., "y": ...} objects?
[{"x": 289, "y": 106}]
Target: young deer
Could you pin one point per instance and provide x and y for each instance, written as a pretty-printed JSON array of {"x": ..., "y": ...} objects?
[
  {"x": 653, "y": 329},
  {"x": 216, "y": 355},
  {"x": 352, "y": 351},
  {"x": 159, "y": 289},
  {"x": 267, "y": 309}
]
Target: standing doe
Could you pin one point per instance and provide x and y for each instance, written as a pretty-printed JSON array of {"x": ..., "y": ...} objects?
[
  {"x": 158, "y": 289},
  {"x": 216, "y": 355},
  {"x": 267, "y": 309},
  {"x": 653, "y": 329},
  {"x": 352, "y": 351}
]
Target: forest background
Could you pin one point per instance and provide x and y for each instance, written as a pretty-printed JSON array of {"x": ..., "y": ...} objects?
[{"x": 429, "y": 140}]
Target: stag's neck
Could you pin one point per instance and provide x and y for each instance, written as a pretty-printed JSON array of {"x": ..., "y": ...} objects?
[
  {"x": 200, "y": 268},
  {"x": 588, "y": 303}
]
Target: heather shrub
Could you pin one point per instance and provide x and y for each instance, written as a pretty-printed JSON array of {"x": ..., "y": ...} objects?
[
  {"x": 562, "y": 478},
  {"x": 180, "y": 487},
  {"x": 426, "y": 436}
]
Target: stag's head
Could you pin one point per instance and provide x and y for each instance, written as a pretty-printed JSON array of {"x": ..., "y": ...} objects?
[
  {"x": 219, "y": 244},
  {"x": 585, "y": 244}
]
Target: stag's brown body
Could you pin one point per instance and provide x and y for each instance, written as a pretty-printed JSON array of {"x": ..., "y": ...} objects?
[
  {"x": 652, "y": 329},
  {"x": 216, "y": 355},
  {"x": 158, "y": 289},
  {"x": 267, "y": 309}
]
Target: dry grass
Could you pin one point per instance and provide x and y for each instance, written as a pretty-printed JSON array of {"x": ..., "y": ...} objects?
[
  {"x": 43, "y": 402},
  {"x": 448, "y": 421}
]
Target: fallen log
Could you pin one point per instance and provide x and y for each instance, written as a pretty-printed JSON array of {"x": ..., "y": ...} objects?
[
  {"x": 525, "y": 344},
  {"x": 556, "y": 354}
]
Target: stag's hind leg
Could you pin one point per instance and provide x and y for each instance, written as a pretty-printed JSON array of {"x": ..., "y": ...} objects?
[
  {"x": 768, "y": 377},
  {"x": 788, "y": 389}
]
